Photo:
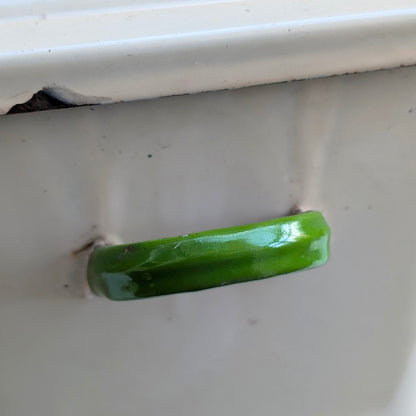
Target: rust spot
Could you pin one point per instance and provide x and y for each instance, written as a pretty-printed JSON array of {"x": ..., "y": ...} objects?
[
  {"x": 294, "y": 210},
  {"x": 85, "y": 247}
]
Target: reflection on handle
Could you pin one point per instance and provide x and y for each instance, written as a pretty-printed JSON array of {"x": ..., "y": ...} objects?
[{"x": 209, "y": 258}]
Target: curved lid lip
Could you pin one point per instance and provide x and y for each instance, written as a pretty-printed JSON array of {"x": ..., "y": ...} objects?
[{"x": 111, "y": 51}]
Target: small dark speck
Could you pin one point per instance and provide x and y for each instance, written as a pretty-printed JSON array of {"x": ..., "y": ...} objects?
[
  {"x": 226, "y": 45},
  {"x": 410, "y": 110},
  {"x": 247, "y": 10},
  {"x": 346, "y": 207},
  {"x": 252, "y": 321},
  {"x": 149, "y": 155},
  {"x": 169, "y": 318},
  {"x": 288, "y": 30},
  {"x": 119, "y": 152},
  {"x": 92, "y": 108},
  {"x": 23, "y": 140},
  {"x": 49, "y": 50},
  {"x": 66, "y": 285},
  {"x": 44, "y": 191},
  {"x": 129, "y": 54},
  {"x": 129, "y": 249}
]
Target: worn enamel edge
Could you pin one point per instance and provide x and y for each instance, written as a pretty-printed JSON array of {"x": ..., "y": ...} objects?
[{"x": 207, "y": 46}]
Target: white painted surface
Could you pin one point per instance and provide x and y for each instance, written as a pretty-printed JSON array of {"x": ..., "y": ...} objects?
[
  {"x": 108, "y": 51},
  {"x": 337, "y": 340}
]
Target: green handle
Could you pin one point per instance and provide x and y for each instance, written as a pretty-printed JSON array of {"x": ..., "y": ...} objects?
[{"x": 210, "y": 258}]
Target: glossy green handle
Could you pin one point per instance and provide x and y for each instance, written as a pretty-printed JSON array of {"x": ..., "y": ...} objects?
[{"x": 210, "y": 258}]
